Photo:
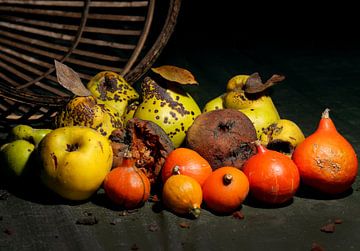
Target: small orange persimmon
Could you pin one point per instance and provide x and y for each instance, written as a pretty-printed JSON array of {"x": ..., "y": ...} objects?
[
  {"x": 182, "y": 195},
  {"x": 127, "y": 186},
  {"x": 187, "y": 162},
  {"x": 225, "y": 189}
]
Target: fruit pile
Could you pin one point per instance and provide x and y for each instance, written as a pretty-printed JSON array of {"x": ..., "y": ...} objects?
[{"x": 109, "y": 137}]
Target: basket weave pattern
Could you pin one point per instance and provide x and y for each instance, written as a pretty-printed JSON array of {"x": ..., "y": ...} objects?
[{"x": 89, "y": 36}]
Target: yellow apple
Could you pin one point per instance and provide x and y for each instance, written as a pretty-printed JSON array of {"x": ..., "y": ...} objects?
[{"x": 75, "y": 161}]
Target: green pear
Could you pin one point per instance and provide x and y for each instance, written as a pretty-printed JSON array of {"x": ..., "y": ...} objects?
[
  {"x": 26, "y": 132},
  {"x": 247, "y": 94},
  {"x": 15, "y": 157}
]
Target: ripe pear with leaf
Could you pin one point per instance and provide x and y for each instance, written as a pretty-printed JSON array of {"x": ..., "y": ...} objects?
[
  {"x": 166, "y": 103},
  {"x": 101, "y": 108},
  {"x": 248, "y": 95}
]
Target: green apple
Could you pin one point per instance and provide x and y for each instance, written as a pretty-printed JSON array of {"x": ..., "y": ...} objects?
[
  {"x": 75, "y": 161},
  {"x": 15, "y": 157},
  {"x": 26, "y": 132}
]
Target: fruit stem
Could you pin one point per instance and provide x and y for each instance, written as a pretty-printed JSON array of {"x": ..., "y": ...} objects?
[
  {"x": 227, "y": 179},
  {"x": 195, "y": 212},
  {"x": 176, "y": 170},
  {"x": 326, "y": 124},
  {"x": 127, "y": 154},
  {"x": 325, "y": 114},
  {"x": 259, "y": 146}
]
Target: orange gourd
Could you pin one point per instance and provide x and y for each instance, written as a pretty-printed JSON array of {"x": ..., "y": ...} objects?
[
  {"x": 273, "y": 176},
  {"x": 187, "y": 162},
  {"x": 126, "y": 185},
  {"x": 225, "y": 189},
  {"x": 182, "y": 195},
  {"x": 326, "y": 160}
]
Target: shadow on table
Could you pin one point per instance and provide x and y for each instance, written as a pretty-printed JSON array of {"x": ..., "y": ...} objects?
[
  {"x": 309, "y": 193},
  {"x": 33, "y": 190},
  {"x": 303, "y": 192}
]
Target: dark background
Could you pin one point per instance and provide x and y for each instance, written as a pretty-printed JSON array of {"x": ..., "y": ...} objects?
[
  {"x": 249, "y": 23},
  {"x": 314, "y": 46}
]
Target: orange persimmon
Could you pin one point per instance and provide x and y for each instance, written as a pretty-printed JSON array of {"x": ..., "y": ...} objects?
[
  {"x": 327, "y": 162},
  {"x": 182, "y": 195},
  {"x": 187, "y": 162},
  {"x": 273, "y": 176},
  {"x": 126, "y": 185},
  {"x": 225, "y": 189}
]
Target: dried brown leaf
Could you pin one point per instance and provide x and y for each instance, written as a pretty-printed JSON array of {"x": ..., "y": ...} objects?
[
  {"x": 254, "y": 83},
  {"x": 316, "y": 247},
  {"x": 70, "y": 80},
  {"x": 184, "y": 224},
  {"x": 238, "y": 215},
  {"x": 338, "y": 221},
  {"x": 328, "y": 228},
  {"x": 175, "y": 74}
]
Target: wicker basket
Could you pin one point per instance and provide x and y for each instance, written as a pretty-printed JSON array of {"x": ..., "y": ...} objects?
[{"x": 89, "y": 36}]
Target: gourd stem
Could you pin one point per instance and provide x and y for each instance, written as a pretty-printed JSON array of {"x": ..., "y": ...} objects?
[
  {"x": 176, "y": 170},
  {"x": 325, "y": 114},
  {"x": 127, "y": 154},
  {"x": 195, "y": 212},
  {"x": 260, "y": 148},
  {"x": 227, "y": 179}
]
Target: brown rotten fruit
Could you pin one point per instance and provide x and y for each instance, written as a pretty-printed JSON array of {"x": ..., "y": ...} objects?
[
  {"x": 148, "y": 144},
  {"x": 223, "y": 137}
]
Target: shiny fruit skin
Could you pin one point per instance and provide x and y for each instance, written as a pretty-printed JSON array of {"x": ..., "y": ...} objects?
[
  {"x": 225, "y": 189},
  {"x": 182, "y": 195},
  {"x": 127, "y": 186},
  {"x": 326, "y": 160},
  {"x": 187, "y": 162},
  {"x": 273, "y": 176},
  {"x": 75, "y": 161}
]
